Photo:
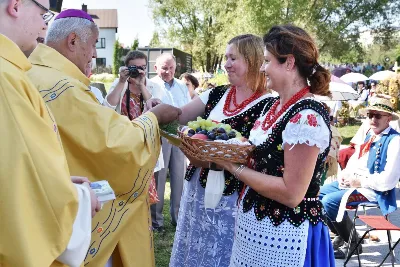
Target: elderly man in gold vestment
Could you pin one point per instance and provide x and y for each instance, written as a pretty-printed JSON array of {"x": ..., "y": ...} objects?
[
  {"x": 99, "y": 143},
  {"x": 45, "y": 220}
]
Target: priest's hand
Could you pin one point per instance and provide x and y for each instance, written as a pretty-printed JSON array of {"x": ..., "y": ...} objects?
[
  {"x": 151, "y": 103},
  {"x": 166, "y": 113},
  {"x": 79, "y": 180},
  {"x": 95, "y": 203}
]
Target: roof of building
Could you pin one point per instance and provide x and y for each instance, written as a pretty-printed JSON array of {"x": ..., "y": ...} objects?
[{"x": 104, "y": 18}]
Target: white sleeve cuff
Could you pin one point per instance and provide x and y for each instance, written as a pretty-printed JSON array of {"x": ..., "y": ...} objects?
[
  {"x": 75, "y": 253},
  {"x": 307, "y": 127}
]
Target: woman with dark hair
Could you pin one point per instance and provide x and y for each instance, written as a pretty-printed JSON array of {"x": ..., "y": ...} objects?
[
  {"x": 280, "y": 219},
  {"x": 191, "y": 82},
  {"x": 204, "y": 235}
]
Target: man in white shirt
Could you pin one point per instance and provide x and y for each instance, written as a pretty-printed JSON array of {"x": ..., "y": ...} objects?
[
  {"x": 370, "y": 175},
  {"x": 174, "y": 92}
]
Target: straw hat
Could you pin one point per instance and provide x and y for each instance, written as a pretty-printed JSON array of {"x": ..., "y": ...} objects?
[{"x": 382, "y": 104}]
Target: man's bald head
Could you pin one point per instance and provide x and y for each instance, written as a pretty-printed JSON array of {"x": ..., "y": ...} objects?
[
  {"x": 74, "y": 37},
  {"x": 165, "y": 67}
]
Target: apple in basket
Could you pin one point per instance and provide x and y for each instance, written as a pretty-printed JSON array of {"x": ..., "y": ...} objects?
[{"x": 200, "y": 136}]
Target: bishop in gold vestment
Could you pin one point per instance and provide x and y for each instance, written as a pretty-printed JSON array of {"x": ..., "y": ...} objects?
[{"x": 103, "y": 145}]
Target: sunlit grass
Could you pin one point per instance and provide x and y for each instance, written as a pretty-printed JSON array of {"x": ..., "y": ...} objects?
[
  {"x": 163, "y": 241},
  {"x": 347, "y": 132}
]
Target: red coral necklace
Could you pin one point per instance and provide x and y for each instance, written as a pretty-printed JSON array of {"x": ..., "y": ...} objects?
[
  {"x": 271, "y": 117},
  {"x": 237, "y": 107}
]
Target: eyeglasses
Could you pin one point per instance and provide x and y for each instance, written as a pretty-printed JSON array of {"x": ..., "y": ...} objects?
[
  {"x": 377, "y": 116},
  {"x": 46, "y": 16}
]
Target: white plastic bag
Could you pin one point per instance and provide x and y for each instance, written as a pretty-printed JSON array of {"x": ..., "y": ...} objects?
[{"x": 214, "y": 189}]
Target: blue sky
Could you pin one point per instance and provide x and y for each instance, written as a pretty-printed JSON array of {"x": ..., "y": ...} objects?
[{"x": 134, "y": 17}]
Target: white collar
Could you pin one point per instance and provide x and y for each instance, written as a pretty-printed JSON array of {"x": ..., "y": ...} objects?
[{"x": 384, "y": 132}]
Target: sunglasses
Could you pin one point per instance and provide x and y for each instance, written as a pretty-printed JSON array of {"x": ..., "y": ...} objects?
[
  {"x": 377, "y": 116},
  {"x": 46, "y": 16}
]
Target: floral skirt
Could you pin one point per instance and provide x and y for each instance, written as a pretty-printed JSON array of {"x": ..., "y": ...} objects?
[{"x": 203, "y": 238}]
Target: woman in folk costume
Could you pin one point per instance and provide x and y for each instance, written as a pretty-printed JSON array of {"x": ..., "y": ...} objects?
[
  {"x": 204, "y": 236},
  {"x": 280, "y": 220}
]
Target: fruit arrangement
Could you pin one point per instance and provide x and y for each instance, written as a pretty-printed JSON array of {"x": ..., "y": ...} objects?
[
  {"x": 207, "y": 140},
  {"x": 210, "y": 130}
]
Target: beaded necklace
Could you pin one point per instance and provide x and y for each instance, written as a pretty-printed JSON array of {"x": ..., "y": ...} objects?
[
  {"x": 271, "y": 117},
  {"x": 237, "y": 107}
]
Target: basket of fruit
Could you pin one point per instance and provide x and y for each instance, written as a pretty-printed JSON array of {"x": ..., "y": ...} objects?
[{"x": 207, "y": 140}]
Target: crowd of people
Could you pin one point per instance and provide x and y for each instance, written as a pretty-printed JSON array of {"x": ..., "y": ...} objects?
[
  {"x": 58, "y": 138},
  {"x": 364, "y": 68}
]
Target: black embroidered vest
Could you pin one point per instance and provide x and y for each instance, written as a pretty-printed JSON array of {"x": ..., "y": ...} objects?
[
  {"x": 242, "y": 123},
  {"x": 268, "y": 158}
]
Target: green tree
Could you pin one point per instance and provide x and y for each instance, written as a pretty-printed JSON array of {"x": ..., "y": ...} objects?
[
  {"x": 334, "y": 24},
  {"x": 202, "y": 27},
  {"x": 135, "y": 44},
  {"x": 192, "y": 25},
  {"x": 117, "y": 57},
  {"x": 155, "y": 40}
]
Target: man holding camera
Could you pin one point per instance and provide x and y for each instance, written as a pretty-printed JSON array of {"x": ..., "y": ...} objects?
[{"x": 132, "y": 84}]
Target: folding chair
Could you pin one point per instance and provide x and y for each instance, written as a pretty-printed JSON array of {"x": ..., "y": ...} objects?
[
  {"x": 355, "y": 202},
  {"x": 377, "y": 223}
]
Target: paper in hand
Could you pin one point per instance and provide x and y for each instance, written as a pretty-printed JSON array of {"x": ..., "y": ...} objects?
[{"x": 103, "y": 191}]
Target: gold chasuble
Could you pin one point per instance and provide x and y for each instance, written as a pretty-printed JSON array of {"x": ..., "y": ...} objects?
[
  {"x": 38, "y": 202},
  {"x": 103, "y": 145}
]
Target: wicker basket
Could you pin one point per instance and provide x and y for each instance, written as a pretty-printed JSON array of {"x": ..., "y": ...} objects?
[{"x": 209, "y": 150}]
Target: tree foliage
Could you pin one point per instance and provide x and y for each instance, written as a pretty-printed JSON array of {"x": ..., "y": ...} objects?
[
  {"x": 203, "y": 27},
  {"x": 155, "y": 40},
  {"x": 118, "y": 53},
  {"x": 135, "y": 44}
]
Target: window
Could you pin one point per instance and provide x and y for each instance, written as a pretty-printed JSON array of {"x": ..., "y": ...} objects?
[
  {"x": 100, "y": 62},
  {"x": 101, "y": 43}
]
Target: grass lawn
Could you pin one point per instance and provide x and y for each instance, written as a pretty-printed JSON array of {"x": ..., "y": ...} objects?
[
  {"x": 347, "y": 132},
  {"x": 163, "y": 242}
]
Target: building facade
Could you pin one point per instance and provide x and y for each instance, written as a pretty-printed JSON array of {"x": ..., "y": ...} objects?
[{"x": 107, "y": 21}]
